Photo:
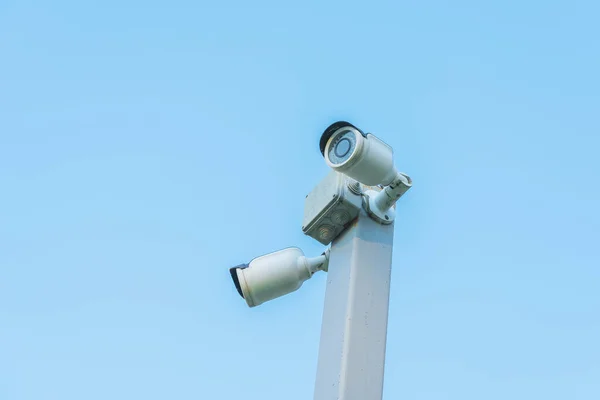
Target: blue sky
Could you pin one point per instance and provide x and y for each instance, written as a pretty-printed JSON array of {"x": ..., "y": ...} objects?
[{"x": 146, "y": 147}]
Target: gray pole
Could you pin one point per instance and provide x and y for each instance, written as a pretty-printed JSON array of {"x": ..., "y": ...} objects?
[{"x": 353, "y": 333}]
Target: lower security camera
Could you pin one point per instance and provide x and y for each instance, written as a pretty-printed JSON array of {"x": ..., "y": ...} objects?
[
  {"x": 361, "y": 156},
  {"x": 275, "y": 274}
]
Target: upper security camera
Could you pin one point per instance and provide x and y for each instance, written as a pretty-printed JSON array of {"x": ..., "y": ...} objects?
[
  {"x": 275, "y": 274},
  {"x": 361, "y": 156},
  {"x": 368, "y": 160}
]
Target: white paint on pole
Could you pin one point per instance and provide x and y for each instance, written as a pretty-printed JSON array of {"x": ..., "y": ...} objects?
[{"x": 353, "y": 333}]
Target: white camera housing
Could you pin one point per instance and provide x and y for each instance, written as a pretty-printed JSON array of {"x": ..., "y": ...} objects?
[
  {"x": 275, "y": 274},
  {"x": 368, "y": 160},
  {"x": 363, "y": 157}
]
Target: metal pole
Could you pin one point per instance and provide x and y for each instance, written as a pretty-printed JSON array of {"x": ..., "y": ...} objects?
[{"x": 353, "y": 333}]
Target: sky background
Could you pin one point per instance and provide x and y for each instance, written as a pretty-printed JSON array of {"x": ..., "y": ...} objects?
[{"x": 146, "y": 147}]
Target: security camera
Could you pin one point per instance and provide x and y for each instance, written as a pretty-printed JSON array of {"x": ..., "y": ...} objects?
[
  {"x": 275, "y": 274},
  {"x": 367, "y": 159},
  {"x": 361, "y": 156}
]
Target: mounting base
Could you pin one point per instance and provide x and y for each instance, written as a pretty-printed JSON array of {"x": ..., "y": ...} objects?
[{"x": 384, "y": 217}]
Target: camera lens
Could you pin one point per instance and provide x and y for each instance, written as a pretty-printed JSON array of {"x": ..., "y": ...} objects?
[{"x": 342, "y": 147}]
